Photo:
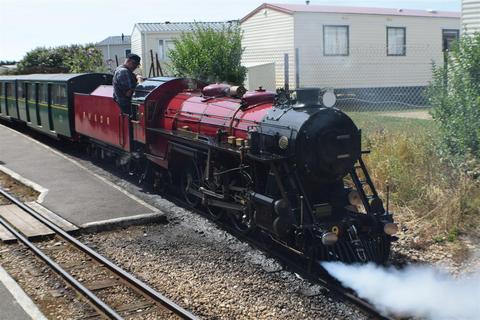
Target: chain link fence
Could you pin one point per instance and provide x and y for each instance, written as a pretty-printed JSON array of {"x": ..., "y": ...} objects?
[{"x": 363, "y": 78}]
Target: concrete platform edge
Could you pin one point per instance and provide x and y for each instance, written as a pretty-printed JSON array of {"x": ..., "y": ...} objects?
[
  {"x": 111, "y": 224},
  {"x": 20, "y": 296},
  {"x": 41, "y": 190}
]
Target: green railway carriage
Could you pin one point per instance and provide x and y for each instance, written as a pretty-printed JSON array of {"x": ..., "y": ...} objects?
[{"x": 45, "y": 101}]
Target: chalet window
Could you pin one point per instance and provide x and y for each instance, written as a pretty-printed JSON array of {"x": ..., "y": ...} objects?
[
  {"x": 164, "y": 47},
  {"x": 335, "y": 41},
  {"x": 396, "y": 41},
  {"x": 449, "y": 36}
]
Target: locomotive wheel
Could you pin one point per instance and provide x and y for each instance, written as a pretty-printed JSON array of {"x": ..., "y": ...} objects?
[
  {"x": 216, "y": 213},
  {"x": 190, "y": 180},
  {"x": 243, "y": 222}
]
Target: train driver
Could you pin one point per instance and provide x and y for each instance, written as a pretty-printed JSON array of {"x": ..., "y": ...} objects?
[{"x": 125, "y": 81}]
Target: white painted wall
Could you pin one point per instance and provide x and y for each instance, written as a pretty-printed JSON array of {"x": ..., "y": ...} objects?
[
  {"x": 142, "y": 43},
  {"x": 136, "y": 43},
  {"x": 267, "y": 36},
  {"x": 110, "y": 51},
  {"x": 470, "y": 16},
  {"x": 260, "y": 75},
  {"x": 367, "y": 64}
]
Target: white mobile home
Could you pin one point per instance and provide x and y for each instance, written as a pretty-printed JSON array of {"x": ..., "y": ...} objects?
[
  {"x": 470, "y": 16},
  {"x": 348, "y": 47},
  {"x": 156, "y": 39},
  {"x": 114, "y": 49}
]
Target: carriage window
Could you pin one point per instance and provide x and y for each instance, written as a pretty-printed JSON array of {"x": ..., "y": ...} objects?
[
  {"x": 31, "y": 92},
  {"x": 1, "y": 90},
  {"x": 42, "y": 93},
  {"x": 9, "y": 89},
  {"x": 20, "y": 91},
  {"x": 59, "y": 94}
]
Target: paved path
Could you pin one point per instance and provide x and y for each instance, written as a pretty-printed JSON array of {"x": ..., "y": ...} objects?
[
  {"x": 14, "y": 303},
  {"x": 69, "y": 189}
]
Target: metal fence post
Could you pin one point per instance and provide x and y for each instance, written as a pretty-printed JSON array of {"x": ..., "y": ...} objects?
[
  {"x": 286, "y": 71},
  {"x": 297, "y": 68}
]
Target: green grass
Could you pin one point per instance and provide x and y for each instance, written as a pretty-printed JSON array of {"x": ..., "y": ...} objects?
[{"x": 371, "y": 122}]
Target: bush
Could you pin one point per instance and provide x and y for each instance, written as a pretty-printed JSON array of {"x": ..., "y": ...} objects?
[
  {"x": 455, "y": 97},
  {"x": 64, "y": 59},
  {"x": 209, "y": 55}
]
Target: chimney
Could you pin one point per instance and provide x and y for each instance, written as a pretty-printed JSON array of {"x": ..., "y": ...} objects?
[{"x": 123, "y": 37}]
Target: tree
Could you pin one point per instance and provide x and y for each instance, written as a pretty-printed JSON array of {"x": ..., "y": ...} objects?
[
  {"x": 63, "y": 59},
  {"x": 455, "y": 97},
  {"x": 209, "y": 55}
]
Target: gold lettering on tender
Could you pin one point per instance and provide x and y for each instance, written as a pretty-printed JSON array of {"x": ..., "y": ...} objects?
[
  {"x": 108, "y": 121},
  {"x": 101, "y": 119}
]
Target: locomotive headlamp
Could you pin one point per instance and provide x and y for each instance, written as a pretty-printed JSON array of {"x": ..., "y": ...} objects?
[
  {"x": 354, "y": 198},
  {"x": 329, "y": 238},
  {"x": 283, "y": 142},
  {"x": 390, "y": 228}
]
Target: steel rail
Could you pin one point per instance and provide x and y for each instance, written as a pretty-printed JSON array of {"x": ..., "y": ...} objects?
[
  {"x": 89, "y": 295},
  {"x": 130, "y": 279}
]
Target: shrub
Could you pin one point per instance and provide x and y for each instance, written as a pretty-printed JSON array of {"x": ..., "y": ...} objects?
[
  {"x": 209, "y": 55},
  {"x": 455, "y": 97}
]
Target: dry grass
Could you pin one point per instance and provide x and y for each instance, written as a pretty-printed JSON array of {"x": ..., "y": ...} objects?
[{"x": 430, "y": 195}]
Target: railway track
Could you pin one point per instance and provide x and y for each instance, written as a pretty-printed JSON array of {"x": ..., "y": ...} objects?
[
  {"x": 314, "y": 273},
  {"x": 143, "y": 300}
]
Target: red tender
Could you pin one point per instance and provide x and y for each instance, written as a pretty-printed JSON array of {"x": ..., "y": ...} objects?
[{"x": 97, "y": 116}]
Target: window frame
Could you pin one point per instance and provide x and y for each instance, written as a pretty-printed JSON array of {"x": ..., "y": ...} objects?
[
  {"x": 404, "y": 42},
  {"x": 457, "y": 31},
  {"x": 348, "y": 40},
  {"x": 127, "y": 52},
  {"x": 164, "y": 48}
]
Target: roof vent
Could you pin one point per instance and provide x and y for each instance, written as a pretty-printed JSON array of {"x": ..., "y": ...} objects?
[
  {"x": 167, "y": 22},
  {"x": 400, "y": 10},
  {"x": 307, "y": 2},
  {"x": 431, "y": 11}
]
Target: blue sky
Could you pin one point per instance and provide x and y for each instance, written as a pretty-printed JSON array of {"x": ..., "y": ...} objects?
[{"x": 26, "y": 24}]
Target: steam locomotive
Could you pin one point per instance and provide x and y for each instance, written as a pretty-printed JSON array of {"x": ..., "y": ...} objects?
[{"x": 281, "y": 164}]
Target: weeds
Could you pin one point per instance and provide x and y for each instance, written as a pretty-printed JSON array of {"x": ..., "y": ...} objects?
[{"x": 429, "y": 192}]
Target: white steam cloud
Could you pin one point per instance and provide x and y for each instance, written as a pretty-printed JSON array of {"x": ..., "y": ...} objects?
[{"x": 414, "y": 291}]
